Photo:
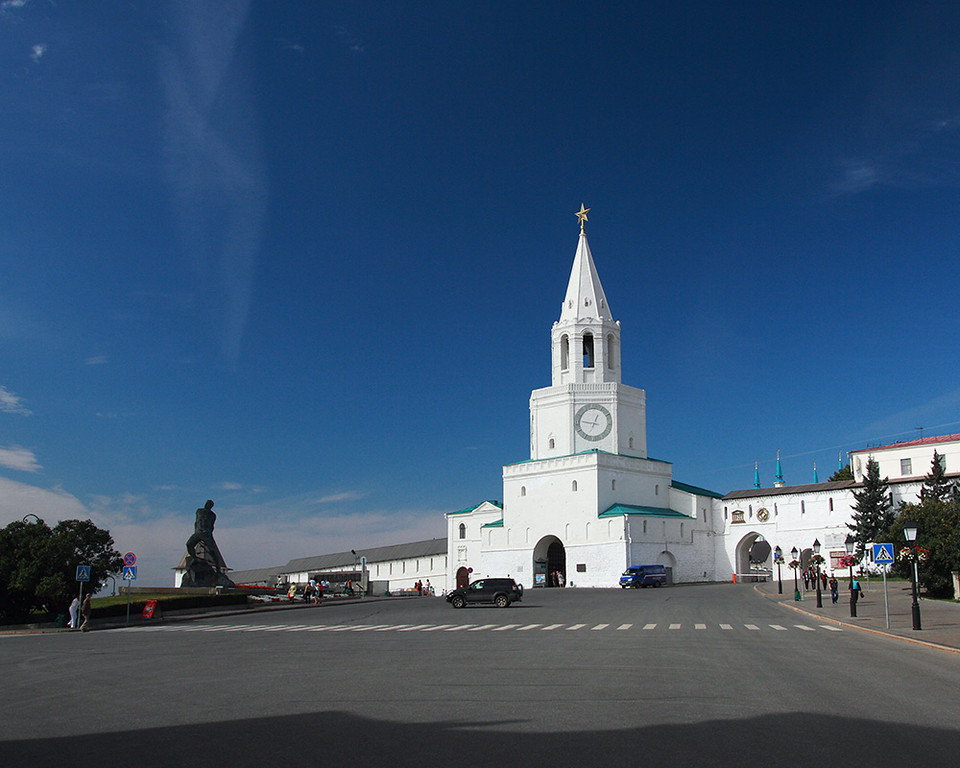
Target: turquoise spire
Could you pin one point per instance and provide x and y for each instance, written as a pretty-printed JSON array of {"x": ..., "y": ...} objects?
[
  {"x": 756, "y": 474},
  {"x": 839, "y": 459},
  {"x": 779, "y": 482},
  {"x": 815, "y": 478}
]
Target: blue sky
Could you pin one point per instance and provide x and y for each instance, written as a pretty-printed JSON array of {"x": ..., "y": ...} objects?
[{"x": 303, "y": 258}]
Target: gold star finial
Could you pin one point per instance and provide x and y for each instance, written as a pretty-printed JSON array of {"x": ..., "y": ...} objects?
[{"x": 582, "y": 216}]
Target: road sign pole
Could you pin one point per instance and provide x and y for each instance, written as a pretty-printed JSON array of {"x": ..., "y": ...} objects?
[{"x": 886, "y": 605}]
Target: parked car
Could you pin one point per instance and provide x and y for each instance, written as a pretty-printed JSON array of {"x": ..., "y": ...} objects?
[
  {"x": 499, "y": 592},
  {"x": 643, "y": 576}
]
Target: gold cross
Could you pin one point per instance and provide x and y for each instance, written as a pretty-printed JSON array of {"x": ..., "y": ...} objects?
[{"x": 582, "y": 216}]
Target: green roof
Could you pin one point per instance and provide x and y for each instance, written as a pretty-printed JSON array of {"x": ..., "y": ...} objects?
[
  {"x": 618, "y": 510},
  {"x": 470, "y": 509},
  {"x": 694, "y": 489},
  {"x": 494, "y": 524}
]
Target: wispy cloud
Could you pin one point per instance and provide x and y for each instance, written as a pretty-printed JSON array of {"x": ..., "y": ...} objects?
[
  {"x": 334, "y": 498},
  {"x": 96, "y": 360},
  {"x": 36, "y": 53},
  {"x": 213, "y": 161},
  {"x": 353, "y": 43},
  {"x": 11, "y": 403},
  {"x": 21, "y": 459},
  {"x": 19, "y": 499}
]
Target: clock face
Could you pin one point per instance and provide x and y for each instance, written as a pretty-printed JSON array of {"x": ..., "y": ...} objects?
[{"x": 593, "y": 422}]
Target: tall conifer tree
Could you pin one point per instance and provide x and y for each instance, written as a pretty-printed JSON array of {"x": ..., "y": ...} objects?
[
  {"x": 872, "y": 510},
  {"x": 936, "y": 487}
]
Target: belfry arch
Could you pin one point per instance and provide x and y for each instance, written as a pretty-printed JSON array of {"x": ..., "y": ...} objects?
[
  {"x": 753, "y": 556},
  {"x": 549, "y": 559}
]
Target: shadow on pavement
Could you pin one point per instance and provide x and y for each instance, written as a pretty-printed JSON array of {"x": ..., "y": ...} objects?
[{"x": 327, "y": 738}]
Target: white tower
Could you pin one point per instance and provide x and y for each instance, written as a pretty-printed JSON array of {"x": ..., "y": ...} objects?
[{"x": 586, "y": 407}]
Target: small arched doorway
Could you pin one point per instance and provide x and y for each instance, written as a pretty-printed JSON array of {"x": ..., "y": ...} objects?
[
  {"x": 463, "y": 577},
  {"x": 669, "y": 562},
  {"x": 549, "y": 563}
]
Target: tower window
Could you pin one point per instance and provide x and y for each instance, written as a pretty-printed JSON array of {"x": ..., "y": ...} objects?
[
  {"x": 463, "y": 530},
  {"x": 523, "y": 490},
  {"x": 611, "y": 352},
  {"x": 552, "y": 444},
  {"x": 587, "y": 350},
  {"x": 564, "y": 352},
  {"x": 613, "y": 485},
  {"x": 630, "y": 443},
  {"x": 573, "y": 486}
]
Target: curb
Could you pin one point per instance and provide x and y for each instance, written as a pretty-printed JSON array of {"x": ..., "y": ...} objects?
[
  {"x": 105, "y": 625},
  {"x": 880, "y": 632}
]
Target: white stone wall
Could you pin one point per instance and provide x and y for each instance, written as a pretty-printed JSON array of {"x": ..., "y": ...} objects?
[
  {"x": 889, "y": 459},
  {"x": 466, "y": 552}
]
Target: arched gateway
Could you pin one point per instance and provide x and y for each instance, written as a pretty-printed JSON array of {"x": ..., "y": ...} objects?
[{"x": 549, "y": 562}]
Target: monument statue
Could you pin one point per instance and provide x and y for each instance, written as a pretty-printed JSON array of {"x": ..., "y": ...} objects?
[{"x": 204, "y": 564}]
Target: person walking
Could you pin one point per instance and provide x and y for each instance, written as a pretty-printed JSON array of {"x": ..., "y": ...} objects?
[
  {"x": 86, "y": 609},
  {"x": 834, "y": 589},
  {"x": 823, "y": 579},
  {"x": 74, "y": 613}
]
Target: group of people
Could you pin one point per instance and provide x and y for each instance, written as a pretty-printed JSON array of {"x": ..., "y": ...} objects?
[
  {"x": 77, "y": 610},
  {"x": 423, "y": 589},
  {"x": 810, "y": 579}
]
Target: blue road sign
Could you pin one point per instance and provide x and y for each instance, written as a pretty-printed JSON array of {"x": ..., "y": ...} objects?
[
  {"x": 129, "y": 573},
  {"x": 83, "y": 573},
  {"x": 883, "y": 554}
]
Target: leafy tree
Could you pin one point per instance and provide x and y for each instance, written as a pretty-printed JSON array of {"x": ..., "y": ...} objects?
[
  {"x": 937, "y": 516},
  {"x": 872, "y": 511},
  {"x": 38, "y": 564},
  {"x": 844, "y": 473},
  {"x": 935, "y": 484}
]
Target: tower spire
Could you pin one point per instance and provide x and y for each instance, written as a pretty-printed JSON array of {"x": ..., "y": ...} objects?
[
  {"x": 815, "y": 478},
  {"x": 779, "y": 483},
  {"x": 756, "y": 474}
]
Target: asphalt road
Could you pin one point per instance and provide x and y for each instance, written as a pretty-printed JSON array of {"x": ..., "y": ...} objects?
[{"x": 712, "y": 675}]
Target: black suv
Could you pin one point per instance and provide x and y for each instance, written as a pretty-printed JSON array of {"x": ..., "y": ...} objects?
[{"x": 500, "y": 592}]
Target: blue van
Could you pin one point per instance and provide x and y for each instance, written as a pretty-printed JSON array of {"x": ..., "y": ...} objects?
[{"x": 643, "y": 576}]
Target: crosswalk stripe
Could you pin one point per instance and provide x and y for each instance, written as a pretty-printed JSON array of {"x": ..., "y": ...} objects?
[{"x": 455, "y": 627}]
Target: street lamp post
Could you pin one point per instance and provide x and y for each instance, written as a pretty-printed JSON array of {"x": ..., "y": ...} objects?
[
  {"x": 816, "y": 562},
  {"x": 778, "y": 557},
  {"x": 796, "y": 585},
  {"x": 850, "y": 544},
  {"x": 910, "y": 534}
]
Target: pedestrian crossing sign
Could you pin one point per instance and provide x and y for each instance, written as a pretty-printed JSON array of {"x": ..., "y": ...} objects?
[
  {"x": 83, "y": 573},
  {"x": 883, "y": 554},
  {"x": 129, "y": 573}
]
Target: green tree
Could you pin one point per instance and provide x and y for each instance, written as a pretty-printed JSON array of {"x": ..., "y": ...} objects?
[
  {"x": 937, "y": 516},
  {"x": 935, "y": 484},
  {"x": 844, "y": 473},
  {"x": 872, "y": 511},
  {"x": 38, "y": 564}
]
